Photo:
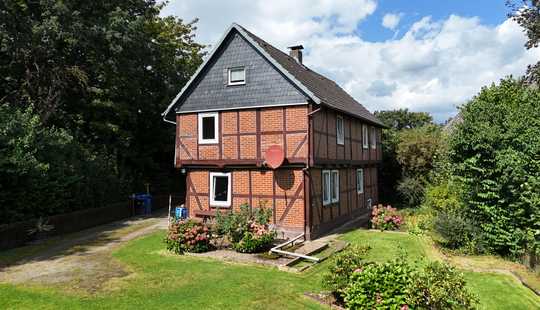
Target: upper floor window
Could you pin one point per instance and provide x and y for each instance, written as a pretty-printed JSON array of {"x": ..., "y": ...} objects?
[
  {"x": 208, "y": 128},
  {"x": 340, "y": 134},
  {"x": 365, "y": 142},
  {"x": 237, "y": 76},
  {"x": 373, "y": 137}
]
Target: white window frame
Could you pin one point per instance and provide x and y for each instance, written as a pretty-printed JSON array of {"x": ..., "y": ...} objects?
[
  {"x": 215, "y": 115},
  {"x": 365, "y": 137},
  {"x": 340, "y": 134},
  {"x": 360, "y": 181},
  {"x": 335, "y": 185},
  {"x": 229, "y": 74},
  {"x": 373, "y": 138},
  {"x": 227, "y": 203},
  {"x": 326, "y": 181}
]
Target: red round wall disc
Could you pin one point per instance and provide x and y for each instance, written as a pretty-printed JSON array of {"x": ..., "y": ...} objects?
[{"x": 274, "y": 156}]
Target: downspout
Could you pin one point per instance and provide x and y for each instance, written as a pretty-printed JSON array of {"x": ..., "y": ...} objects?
[
  {"x": 307, "y": 176},
  {"x": 168, "y": 121}
]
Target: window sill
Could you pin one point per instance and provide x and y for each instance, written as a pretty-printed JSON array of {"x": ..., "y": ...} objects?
[
  {"x": 209, "y": 142},
  {"x": 236, "y": 84}
]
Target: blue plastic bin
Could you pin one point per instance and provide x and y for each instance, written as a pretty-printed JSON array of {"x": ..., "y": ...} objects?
[
  {"x": 180, "y": 213},
  {"x": 144, "y": 201}
]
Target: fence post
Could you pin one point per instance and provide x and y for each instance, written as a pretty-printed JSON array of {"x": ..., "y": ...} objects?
[{"x": 169, "y": 214}]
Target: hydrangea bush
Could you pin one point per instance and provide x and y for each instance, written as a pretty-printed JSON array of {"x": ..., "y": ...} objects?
[
  {"x": 188, "y": 236},
  {"x": 385, "y": 218},
  {"x": 247, "y": 230}
]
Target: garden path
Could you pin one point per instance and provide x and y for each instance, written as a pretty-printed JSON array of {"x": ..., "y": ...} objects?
[{"x": 82, "y": 259}]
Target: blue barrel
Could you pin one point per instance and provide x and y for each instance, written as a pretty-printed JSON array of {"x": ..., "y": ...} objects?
[
  {"x": 145, "y": 202},
  {"x": 180, "y": 213}
]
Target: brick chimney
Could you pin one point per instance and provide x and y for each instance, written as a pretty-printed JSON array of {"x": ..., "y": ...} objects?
[{"x": 296, "y": 52}]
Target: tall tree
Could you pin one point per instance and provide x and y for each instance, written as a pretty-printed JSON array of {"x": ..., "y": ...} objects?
[
  {"x": 82, "y": 86},
  {"x": 527, "y": 14},
  {"x": 104, "y": 70},
  {"x": 404, "y": 119}
]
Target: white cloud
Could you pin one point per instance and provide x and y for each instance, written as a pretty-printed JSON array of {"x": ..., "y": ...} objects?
[
  {"x": 435, "y": 66},
  {"x": 391, "y": 21}
]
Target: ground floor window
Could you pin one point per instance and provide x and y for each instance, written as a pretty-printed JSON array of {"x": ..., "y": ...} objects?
[
  {"x": 330, "y": 186},
  {"x": 360, "y": 181},
  {"x": 220, "y": 189},
  {"x": 326, "y": 187}
]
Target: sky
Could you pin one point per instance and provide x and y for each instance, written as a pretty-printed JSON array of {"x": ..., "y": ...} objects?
[{"x": 424, "y": 55}]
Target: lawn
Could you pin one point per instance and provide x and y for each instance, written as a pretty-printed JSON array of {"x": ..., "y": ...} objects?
[{"x": 165, "y": 281}]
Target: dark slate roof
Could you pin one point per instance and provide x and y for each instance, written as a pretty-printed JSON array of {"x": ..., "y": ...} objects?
[
  {"x": 319, "y": 88},
  {"x": 325, "y": 89}
]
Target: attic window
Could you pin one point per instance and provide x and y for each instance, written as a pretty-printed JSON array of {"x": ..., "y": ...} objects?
[
  {"x": 237, "y": 76},
  {"x": 208, "y": 128}
]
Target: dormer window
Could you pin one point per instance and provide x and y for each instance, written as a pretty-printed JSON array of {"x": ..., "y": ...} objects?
[{"x": 237, "y": 76}]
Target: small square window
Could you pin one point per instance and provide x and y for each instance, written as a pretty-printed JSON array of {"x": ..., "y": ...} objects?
[
  {"x": 365, "y": 137},
  {"x": 208, "y": 128},
  {"x": 339, "y": 130},
  {"x": 237, "y": 76},
  {"x": 220, "y": 189},
  {"x": 360, "y": 181},
  {"x": 373, "y": 137}
]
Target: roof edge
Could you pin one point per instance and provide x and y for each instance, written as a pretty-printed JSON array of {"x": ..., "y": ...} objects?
[{"x": 248, "y": 38}]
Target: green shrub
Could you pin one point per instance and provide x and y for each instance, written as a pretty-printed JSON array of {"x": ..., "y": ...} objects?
[
  {"x": 252, "y": 242},
  {"x": 342, "y": 266},
  {"x": 412, "y": 189},
  {"x": 399, "y": 285},
  {"x": 188, "y": 236},
  {"x": 380, "y": 286},
  {"x": 445, "y": 197},
  {"x": 385, "y": 218},
  {"x": 417, "y": 221},
  {"x": 456, "y": 231},
  {"x": 247, "y": 230},
  {"x": 441, "y": 286},
  {"x": 495, "y": 152}
]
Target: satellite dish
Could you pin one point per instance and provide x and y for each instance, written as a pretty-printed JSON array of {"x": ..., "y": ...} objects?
[{"x": 274, "y": 156}]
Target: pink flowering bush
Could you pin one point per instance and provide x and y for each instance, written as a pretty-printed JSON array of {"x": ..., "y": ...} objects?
[
  {"x": 385, "y": 218},
  {"x": 188, "y": 236},
  {"x": 248, "y": 230}
]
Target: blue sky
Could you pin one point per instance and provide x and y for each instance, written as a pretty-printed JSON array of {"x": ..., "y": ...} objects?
[
  {"x": 490, "y": 12},
  {"x": 388, "y": 54}
]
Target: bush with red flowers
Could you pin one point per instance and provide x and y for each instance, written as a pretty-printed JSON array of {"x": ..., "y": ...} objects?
[
  {"x": 385, "y": 218},
  {"x": 188, "y": 236}
]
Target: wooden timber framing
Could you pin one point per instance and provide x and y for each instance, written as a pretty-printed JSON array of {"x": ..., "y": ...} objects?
[{"x": 294, "y": 191}]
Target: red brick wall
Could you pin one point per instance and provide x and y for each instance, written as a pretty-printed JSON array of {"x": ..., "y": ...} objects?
[
  {"x": 245, "y": 135},
  {"x": 281, "y": 189}
]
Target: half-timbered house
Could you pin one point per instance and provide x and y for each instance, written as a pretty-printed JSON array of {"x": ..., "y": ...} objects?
[{"x": 249, "y": 96}]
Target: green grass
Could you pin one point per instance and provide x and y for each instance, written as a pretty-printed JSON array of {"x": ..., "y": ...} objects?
[
  {"x": 165, "y": 281},
  {"x": 495, "y": 291},
  {"x": 498, "y": 291},
  {"x": 175, "y": 282},
  {"x": 389, "y": 245}
]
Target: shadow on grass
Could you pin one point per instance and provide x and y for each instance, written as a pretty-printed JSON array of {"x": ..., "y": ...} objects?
[{"x": 80, "y": 243}]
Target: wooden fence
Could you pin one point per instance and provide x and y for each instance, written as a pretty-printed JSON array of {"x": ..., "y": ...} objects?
[{"x": 16, "y": 234}]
